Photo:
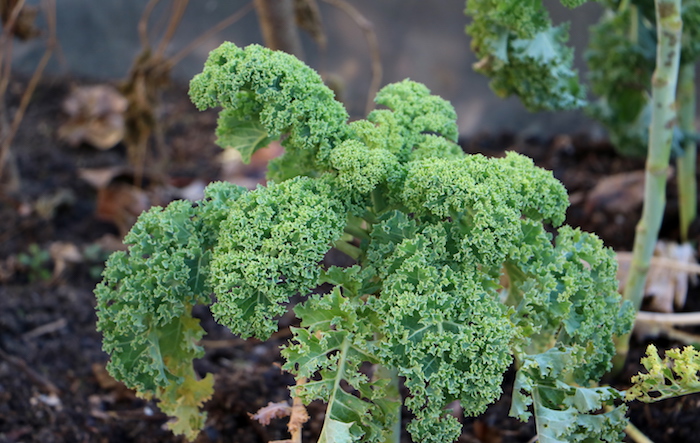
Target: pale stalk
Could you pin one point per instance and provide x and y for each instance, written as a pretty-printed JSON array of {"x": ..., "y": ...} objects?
[
  {"x": 664, "y": 81},
  {"x": 685, "y": 164},
  {"x": 382, "y": 372}
]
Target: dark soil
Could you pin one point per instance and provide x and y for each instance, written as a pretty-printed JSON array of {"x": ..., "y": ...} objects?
[{"x": 53, "y": 385}]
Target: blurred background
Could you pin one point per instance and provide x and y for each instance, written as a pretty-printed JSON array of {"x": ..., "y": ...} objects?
[{"x": 421, "y": 40}]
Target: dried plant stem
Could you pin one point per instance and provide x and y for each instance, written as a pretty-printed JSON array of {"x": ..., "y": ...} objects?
[
  {"x": 368, "y": 29},
  {"x": 223, "y": 24},
  {"x": 663, "y": 262},
  {"x": 149, "y": 72},
  {"x": 143, "y": 23},
  {"x": 6, "y": 65},
  {"x": 36, "y": 378},
  {"x": 685, "y": 164},
  {"x": 664, "y": 81},
  {"x": 6, "y": 138},
  {"x": 674, "y": 318},
  {"x": 680, "y": 336},
  {"x": 299, "y": 414},
  {"x": 6, "y": 45},
  {"x": 278, "y": 26},
  {"x": 178, "y": 11}
]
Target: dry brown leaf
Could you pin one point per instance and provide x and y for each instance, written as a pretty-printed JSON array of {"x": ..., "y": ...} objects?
[
  {"x": 618, "y": 194},
  {"x": 121, "y": 203},
  {"x": 487, "y": 434},
  {"x": 672, "y": 266},
  {"x": 117, "y": 390},
  {"x": 96, "y": 117},
  {"x": 272, "y": 410},
  {"x": 193, "y": 191},
  {"x": 110, "y": 243},
  {"x": 101, "y": 177},
  {"x": 63, "y": 253}
]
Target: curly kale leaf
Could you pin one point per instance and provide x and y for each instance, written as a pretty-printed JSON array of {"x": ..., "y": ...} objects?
[
  {"x": 416, "y": 112},
  {"x": 270, "y": 248},
  {"x": 565, "y": 413},
  {"x": 416, "y": 125},
  {"x": 334, "y": 341},
  {"x": 360, "y": 168},
  {"x": 690, "y": 45},
  {"x": 266, "y": 95},
  {"x": 444, "y": 330},
  {"x": 144, "y": 304},
  {"x": 523, "y": 54},
  {"x": 567, "y": 294},
  {"x": 620, "y": 70},
  {"x": 487, "y": 197}
]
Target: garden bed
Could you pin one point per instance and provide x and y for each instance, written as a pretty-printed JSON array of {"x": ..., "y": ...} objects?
[{"x": 53, "y": 385}]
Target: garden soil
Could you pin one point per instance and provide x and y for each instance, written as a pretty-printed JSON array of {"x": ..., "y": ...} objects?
[{"x": 70, "y": 206}]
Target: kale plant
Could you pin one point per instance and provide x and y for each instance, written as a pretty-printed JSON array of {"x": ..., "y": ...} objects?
[
  {"x": 462, "y": 268},
  {"x": 642, "y": 59}
]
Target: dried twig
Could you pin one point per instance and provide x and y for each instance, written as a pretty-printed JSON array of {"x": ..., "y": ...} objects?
[
  {"x": 663, "y": 262},
  {"x": 223, "y": 24},
  {"x": 149, "y": 73},
  {"x": 675, "y": 318},
  {"x": 297, "y": 417},
  {"x": 50, "y": 9},
  {"x": 34, "y": 376},
  {"x": 176, "y": 15},
  {"x": 143, "y": 23},
  {"x": 368, "y": 30},
  {"x": 45, "y": 329},
  {"x": 278, "y": 26}
]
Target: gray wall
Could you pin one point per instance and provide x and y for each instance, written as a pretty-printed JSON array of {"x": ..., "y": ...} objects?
[{"x": 421, "y": 40}]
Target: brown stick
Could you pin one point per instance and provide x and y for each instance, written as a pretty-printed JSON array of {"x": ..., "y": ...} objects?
[
  {"x": 50, "y": 7},
  {"x": 34, "y": 376},
  {"x": 6, "y": 45},
  {"x": 225, "y": 23},
  {"x": 278, "y": 26},
  {"x": 176, "y": 15},
  {"x": 367, "y": 29}
]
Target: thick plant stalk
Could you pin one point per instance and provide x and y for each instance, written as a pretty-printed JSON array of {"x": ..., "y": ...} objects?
[
  {"x": 687, "y": 188},
  {"x": 664, "y": 82}
]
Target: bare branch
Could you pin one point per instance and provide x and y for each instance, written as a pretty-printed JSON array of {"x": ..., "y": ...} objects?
[{"x": 368, "y": 30}]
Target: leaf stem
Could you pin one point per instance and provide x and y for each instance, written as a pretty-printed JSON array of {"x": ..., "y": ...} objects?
[
  {"x": 685, "y": 164},
  {"x": 348, "y": 249},
  {"x": 382, "y": 372},
  {"x": 663, "y": 120}
]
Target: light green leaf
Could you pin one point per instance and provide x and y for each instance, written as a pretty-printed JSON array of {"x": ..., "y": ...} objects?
[
  {"x": 335, "y": 431},
  {"x": 246, "y": 135},
  {"x": 673, "y": 376}
]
